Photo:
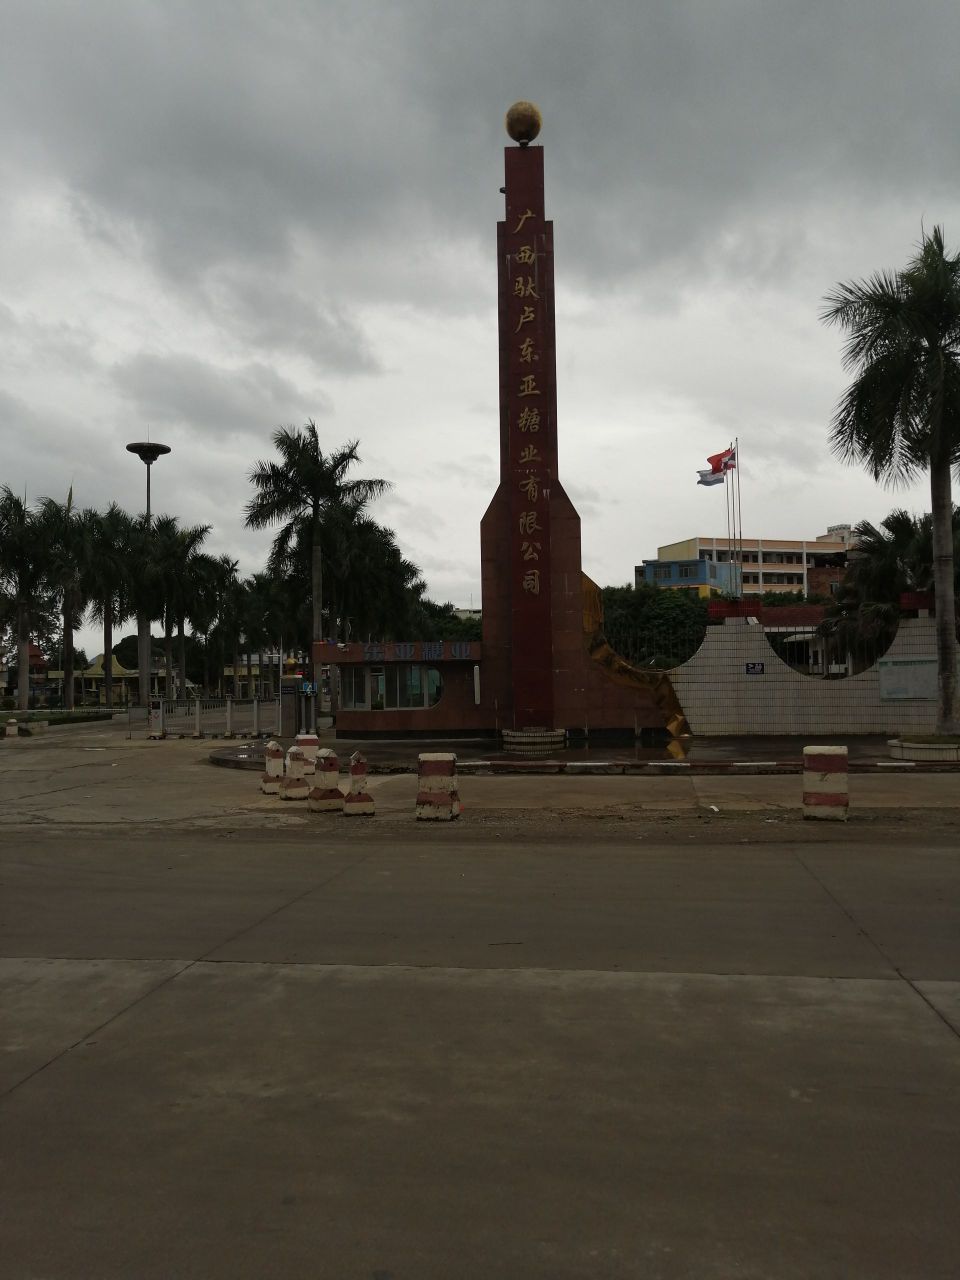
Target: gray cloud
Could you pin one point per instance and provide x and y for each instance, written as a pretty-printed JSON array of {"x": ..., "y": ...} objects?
[
  {"x": 220, "y": 217},
  {"x": 183, "y": 391},
  {"x": 270, "y": 317},
  {"x": 671, "y": 129}
]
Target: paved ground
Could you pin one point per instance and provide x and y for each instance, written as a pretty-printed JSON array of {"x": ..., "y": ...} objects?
[{"x": 670, "y": 1043}]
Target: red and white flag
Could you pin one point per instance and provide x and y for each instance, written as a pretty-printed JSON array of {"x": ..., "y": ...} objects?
[
  {"x": 725, "y": 461},
  {"x": 720, "y": 464}
]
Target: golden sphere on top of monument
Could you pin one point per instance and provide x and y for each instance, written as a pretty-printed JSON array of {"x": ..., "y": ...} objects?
[{"x": 523, "y": 122}]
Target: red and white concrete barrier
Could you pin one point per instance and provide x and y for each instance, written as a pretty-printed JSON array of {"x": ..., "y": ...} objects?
[
  {"x": 296, "y": 784},
  {"x": 358, "y": 801},
  {"x": 826, "y": 788},
  {"x": 272, "y": 774},
  {"x": 325, "y": 795},
  {"x": 437, "y": 797},
  {"x": 309, "y": 744}
]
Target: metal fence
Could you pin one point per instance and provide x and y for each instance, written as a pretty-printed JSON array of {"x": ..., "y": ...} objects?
[
  {"x": 206, "y": 717},
  {"x": 657, "y": 648}
]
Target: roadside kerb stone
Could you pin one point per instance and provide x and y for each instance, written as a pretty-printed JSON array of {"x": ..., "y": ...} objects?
[
  {"x": 309, "y": 744},
  {"x": 295, "y": 785},
  {"x": 826, "y": 785},
  {"x": 358, "y": 803},
  {"x": 272, "y": 774},
  {"x": 438, "y": 799},
  {"x": 325, "y": 795}
]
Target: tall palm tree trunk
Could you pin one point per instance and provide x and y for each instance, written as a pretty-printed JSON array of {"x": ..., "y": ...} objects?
[
  {"x": 168, "y": 652},
  {"x": 182, "y": 654},
  {"x": 68, "y": 663},
  {"x": 143, "y": 659},
  {"x": 946, "y": 621},
  {"x": 250, "y": 689},
  {"x": 316, "y": 584},
  {"x": 334, "y": 670},
  {"x": 23, "y": 657},
  {"x": 108, "y": 652},
  {"x": 236, "y": 670}
]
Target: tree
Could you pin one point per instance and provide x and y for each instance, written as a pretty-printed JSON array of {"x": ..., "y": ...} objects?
[
  {"x": 221, "y": 620},
  {"x": 265, "y": 616},
  {"x": 653, "y": 626},
  {"x": 173, "y": 550},
  {"x": 901, "y": 414},
  {"x": 108, "y": 581},
  {"x": 68, "y": 536},
  {"x": 375, "y": 589},
  {"x": 307, "y": 487},
  {"x": 23, "y": 565},
  {"x": 199, "y": 570},
  {"x": 146, "y": 599},
  {"x": 896, "y": 556},
  {"x": 434, "y": 621},
  {"x": 885, "y": 560}
]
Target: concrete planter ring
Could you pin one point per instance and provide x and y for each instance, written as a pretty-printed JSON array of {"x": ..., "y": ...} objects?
[
  {"x": 533, "y": 742},
  {"x": 932, "y": 752}
]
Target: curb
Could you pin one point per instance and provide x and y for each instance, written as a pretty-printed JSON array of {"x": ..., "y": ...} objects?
[{"x": 252, "y": 759}]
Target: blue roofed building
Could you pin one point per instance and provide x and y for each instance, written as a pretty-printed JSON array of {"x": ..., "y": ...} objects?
[{"x": 705, "y": 577}]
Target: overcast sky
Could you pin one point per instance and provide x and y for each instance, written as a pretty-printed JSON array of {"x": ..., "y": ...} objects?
[{"x": 218, "y": 217}]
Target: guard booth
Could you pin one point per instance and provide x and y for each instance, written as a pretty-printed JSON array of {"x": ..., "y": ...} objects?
[{"x": 420, "y": 688}]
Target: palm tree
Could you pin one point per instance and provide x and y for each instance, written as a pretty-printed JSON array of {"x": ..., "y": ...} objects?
[
  {"x": 302, "y": 492},
  {"x": 889, "y": 558},
  {"x": 194, "y": 589},
  {"x": 173, "y": 549},
  {"x": 265, "y": 615},
  {"x": 221, "y": 620},
  {"x": 68, "y": 537},
  {"x": 377, "y": 589},
  {"x": 144, "y": 598},
  {"x": 901, "y": 414},
  {"x": 23, "y": 566},
  {"x": 108, "y": 580}
]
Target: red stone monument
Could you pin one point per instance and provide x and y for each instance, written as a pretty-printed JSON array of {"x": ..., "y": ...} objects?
[{"x": 545, "y": 663}]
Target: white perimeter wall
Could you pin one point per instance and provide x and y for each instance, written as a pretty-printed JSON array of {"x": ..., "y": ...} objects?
[{"x": 718, "y": 696}]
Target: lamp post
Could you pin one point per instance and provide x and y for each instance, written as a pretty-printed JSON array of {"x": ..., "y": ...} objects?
[{"x": 148, "y": 452}]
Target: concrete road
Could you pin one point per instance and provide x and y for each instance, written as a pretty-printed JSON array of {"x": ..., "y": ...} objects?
[{"x": 707, "y": 1050}]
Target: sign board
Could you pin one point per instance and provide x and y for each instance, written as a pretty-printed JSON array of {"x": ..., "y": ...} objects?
[
  {"x": 753, "y": 668},
  {"x": 908, "y": 679}
]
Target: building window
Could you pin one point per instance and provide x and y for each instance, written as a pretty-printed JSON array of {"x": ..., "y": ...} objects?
[
  {"x": 400, "y": 687},
  {"x": 688, "y": 571},
  {"x": 410, "y": 686},
  {"x": 434, "y": 686},
  {"x": 661, "y": 572},
  {"x": 354, "y": 688}
]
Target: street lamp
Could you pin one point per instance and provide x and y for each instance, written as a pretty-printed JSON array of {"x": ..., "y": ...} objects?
[{"x": 148, "y": 452}]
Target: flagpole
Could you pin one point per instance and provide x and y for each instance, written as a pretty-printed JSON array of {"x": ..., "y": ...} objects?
[
  {"x": 740, "y": 515},
  {"x": 726, "y": 495}
]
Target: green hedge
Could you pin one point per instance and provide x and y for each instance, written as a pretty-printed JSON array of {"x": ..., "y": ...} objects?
[{"x": 56, "y": 717}]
